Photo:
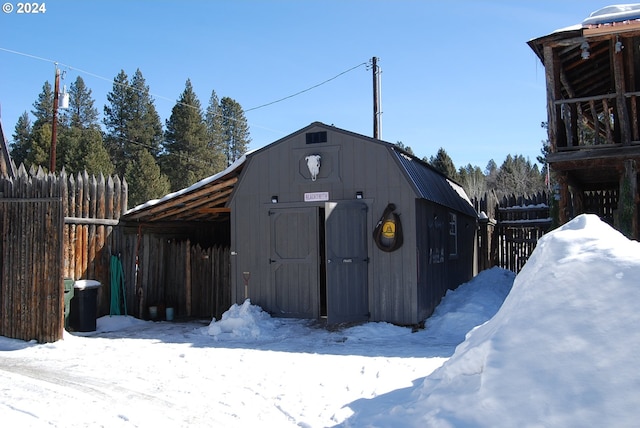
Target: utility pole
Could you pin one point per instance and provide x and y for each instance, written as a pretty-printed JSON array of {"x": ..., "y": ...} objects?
[
  {"x": 377, "y": 125},
  {"x": 54, "y": 125}
]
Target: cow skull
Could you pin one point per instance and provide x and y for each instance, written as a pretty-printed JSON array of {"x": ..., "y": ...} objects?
[{"x": 313, "y": 163}]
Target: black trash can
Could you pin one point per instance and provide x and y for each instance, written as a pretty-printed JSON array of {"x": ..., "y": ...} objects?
[{"x": 84, "y": 306}]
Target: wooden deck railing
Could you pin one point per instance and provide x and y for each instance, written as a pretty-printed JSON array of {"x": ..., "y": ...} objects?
[{"x": 595, "y": 122}]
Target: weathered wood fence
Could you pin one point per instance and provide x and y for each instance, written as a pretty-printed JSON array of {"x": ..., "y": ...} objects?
[
  {"x": 165, "y": 271},
  {"x": 58, "y": 226},
  {"x": 31, "y": 289},
  {"x": 510, "y": 228},
  {"x": 53, "y": 227}
]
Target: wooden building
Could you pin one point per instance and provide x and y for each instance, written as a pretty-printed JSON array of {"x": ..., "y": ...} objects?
[
  {"x": 593, "y": 87},
  {"x": 303, "y": 230},
  {"x": 329, "y": 224}
]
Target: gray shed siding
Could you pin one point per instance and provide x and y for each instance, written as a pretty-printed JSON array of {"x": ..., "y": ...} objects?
[
  {"x": 349, "y": 163},
  {"x": 438, "y": 270}
]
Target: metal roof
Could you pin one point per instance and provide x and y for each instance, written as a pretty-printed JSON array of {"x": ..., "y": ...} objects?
[{"x": 434, "y": 186}]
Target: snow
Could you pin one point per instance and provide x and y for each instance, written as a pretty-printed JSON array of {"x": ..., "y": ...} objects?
[
  {"x": 613, "y": 13},
  {"x": 555, "y": 347}
]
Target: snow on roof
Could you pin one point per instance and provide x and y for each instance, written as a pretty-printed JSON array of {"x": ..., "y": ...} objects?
[
  {"x": 613, "y": 13},
  {"x": 193, "y": 187}
]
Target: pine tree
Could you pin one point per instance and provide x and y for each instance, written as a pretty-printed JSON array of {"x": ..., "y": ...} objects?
[
  {"x": 117, "y": 115},
  {"x": 43, "y": 107},
  {"x": 80, "y": 144},
  {"x": 236, "y": 130},
  {"x": 36, "y": 152},
  {"x": 145, "y": 126},
  {"x": 443, "y": 163},
  {"x": 407, "y": 149},
  {"x": 81, "y": 112},
  {"x": 187, "y": 157},
  {"x": 134, "y": 137},
  {"x": 215, "y": 132},
  {"x": 490, "y": 174},
  {"x": 145, "y": 179},
  {"x": 21, "y": 145}
]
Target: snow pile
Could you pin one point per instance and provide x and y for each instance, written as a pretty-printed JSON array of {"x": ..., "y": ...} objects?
[
  {"x": 562, "y": 350},
  {"x": 240, "y": 321}
]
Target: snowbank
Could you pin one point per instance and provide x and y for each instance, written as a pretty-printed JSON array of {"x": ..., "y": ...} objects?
[{"x": 561, "y": 351}]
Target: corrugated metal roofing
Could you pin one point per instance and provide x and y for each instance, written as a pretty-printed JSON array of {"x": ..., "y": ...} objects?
[{"x": 433, "y": 186}]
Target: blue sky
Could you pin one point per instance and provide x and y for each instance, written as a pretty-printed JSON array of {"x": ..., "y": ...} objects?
[{"x": 457, "y": 75}]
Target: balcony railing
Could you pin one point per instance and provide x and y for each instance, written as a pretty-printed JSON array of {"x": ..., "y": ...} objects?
[{"x": 594, "y": 122}]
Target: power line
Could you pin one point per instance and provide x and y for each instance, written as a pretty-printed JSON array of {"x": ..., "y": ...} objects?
[
  {"x": 207, "y": 110},
  {"x": 308, "y": 89}
]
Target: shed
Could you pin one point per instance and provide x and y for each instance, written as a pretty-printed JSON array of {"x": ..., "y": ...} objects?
[
  {"x": 303, "y": 230},
  {"x": 308, "y": 233}
]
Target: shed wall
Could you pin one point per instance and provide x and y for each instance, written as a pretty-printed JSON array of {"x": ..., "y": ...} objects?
[
  {"x": 348, "y": 164},
  {"x": 440, "y": 266}
]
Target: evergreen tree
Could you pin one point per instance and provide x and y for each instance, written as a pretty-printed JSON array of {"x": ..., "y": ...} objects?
[
  {"x": 81, "y": 112},
  {"x": 490, "y": 174},
  {"x": 236, "y": 130},
  {"x": 145, "y": 179},
  {"x": 134, "y": 131},
  {"x": 83, "y": 149},
  {"x": 145, "y": 127},
  {"x": 43, "y": 107},
  {"x": 215, "y": 132},
  {"x": 443, "y": 163},
  {"x": 40, "y": 150},
  {"x": 80, "y": 144},
  {"x": 187, "y": 157},
  {"x": 407, "y": 149},
  {"x": 36, "y": 150},
  {"x": 117, "y": 116},
  {"x": 21, "y": 145}
]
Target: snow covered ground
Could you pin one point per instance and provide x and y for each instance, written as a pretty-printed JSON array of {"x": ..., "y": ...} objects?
[{"x": 562, "y": 350}]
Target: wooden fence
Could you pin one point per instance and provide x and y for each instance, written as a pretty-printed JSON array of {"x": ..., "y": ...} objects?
[
  {"x": 163, "y": 271},
  {"x": 510, "y": 229},
  {"x": 31, "y": 289},
  {"x": 53, "y": 227}
]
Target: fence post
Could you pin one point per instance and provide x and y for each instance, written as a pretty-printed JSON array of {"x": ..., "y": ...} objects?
[{"x": 486, "y": 228}]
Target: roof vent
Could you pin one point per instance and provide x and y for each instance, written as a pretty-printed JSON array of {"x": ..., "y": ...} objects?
[{"x": 316, "y": 137}]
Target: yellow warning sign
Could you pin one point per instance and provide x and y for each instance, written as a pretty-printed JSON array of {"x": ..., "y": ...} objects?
[{"x": 389, "y": 229}]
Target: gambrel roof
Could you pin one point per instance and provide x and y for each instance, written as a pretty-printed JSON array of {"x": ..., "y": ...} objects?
[{"x": 208, "y": 199}]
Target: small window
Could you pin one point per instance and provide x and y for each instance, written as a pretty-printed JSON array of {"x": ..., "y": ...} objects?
[
  {"x": 316, "y": 137},
  {"x": 453, "y": 235}
]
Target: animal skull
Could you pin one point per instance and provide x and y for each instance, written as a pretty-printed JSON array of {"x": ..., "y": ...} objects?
[{"x": 313, "y": 163}]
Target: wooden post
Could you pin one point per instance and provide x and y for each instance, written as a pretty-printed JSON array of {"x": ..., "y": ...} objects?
[
  {"x": 563, "y": 203},
  {"x": 627, "y": 216},
  {"x": 622, "y": 118},
  {"x": 487, "y": 227},
  {"x": 374, "y": 67},
  {"x": 551, "y": 67}
]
